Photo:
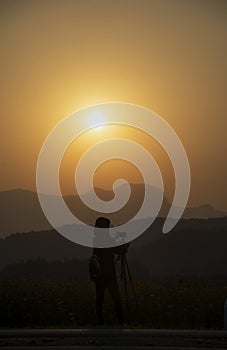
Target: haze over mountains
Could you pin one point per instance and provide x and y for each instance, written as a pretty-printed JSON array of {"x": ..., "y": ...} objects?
[
  {"x": 196, "y": 248},
  {"x": 20, "y": 210}
]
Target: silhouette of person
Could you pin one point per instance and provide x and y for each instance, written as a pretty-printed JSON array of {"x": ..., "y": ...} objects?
[{"x": 106, "y": 278}]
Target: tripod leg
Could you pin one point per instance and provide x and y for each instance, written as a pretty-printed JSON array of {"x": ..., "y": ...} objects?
[
  {"x": 130, "y": 279},
  {"x": 125, "y": 287}
]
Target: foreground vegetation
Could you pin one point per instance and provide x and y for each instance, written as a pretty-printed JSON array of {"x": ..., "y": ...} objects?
[{"x": 71, "y": 303}]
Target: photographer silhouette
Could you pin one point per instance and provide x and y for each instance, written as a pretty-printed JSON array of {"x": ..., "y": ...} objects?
[{"x": 103, "y": 272}]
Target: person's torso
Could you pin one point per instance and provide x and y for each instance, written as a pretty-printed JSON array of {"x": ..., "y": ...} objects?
[{"x": 106, "y": 261}]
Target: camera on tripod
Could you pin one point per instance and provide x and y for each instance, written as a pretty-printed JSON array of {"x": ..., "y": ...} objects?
[{"x": 121, "y": 239}]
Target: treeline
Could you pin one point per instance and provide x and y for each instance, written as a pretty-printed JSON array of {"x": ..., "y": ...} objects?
[
  {"x": 40, "y": 270},
  {"x": 191, "y": 243}
]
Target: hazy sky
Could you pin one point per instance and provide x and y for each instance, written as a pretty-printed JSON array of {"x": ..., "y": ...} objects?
[{"x": 167, "y": 55}]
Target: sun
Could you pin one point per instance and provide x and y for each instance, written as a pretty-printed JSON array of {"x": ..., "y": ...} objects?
[{"x": 96, "y": 120}]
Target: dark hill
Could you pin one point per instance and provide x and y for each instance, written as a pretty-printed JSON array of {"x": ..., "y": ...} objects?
[{"x": 195, "y": 248}]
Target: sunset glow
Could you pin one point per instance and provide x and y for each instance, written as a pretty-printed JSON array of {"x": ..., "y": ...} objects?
[
  {"x": 168, "y": 56},
  {"x": 96, "y": 120}
]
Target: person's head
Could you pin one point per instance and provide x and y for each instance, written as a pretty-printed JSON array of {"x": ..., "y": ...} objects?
[{"x": 102, "y": 222}]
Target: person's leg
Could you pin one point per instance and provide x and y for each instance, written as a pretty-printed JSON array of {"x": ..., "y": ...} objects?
[
  {"x": 115, "y": 294},
  {"x": 100, "y": 291}
]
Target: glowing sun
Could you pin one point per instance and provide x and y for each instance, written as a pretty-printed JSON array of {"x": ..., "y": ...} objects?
[{"x": 96, "y": 120}]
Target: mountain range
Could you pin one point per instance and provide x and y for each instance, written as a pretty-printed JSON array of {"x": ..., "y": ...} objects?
[
  {"x": 20, "y": 210},
  {"x": 194, "y": 248}
]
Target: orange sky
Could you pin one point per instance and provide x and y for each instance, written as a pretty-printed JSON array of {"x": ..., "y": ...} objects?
[{"x": 169, "y": 56}]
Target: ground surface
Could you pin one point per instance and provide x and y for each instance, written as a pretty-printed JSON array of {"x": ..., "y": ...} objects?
[{"x": 59, "y": 339}]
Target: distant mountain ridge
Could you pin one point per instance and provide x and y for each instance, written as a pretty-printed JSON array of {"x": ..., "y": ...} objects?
[
  {"x": 195, "y": 247},
  {"x": 20, "y": 210}
]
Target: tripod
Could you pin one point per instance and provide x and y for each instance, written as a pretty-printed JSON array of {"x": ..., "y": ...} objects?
[{"x": 125, "y": 274}]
